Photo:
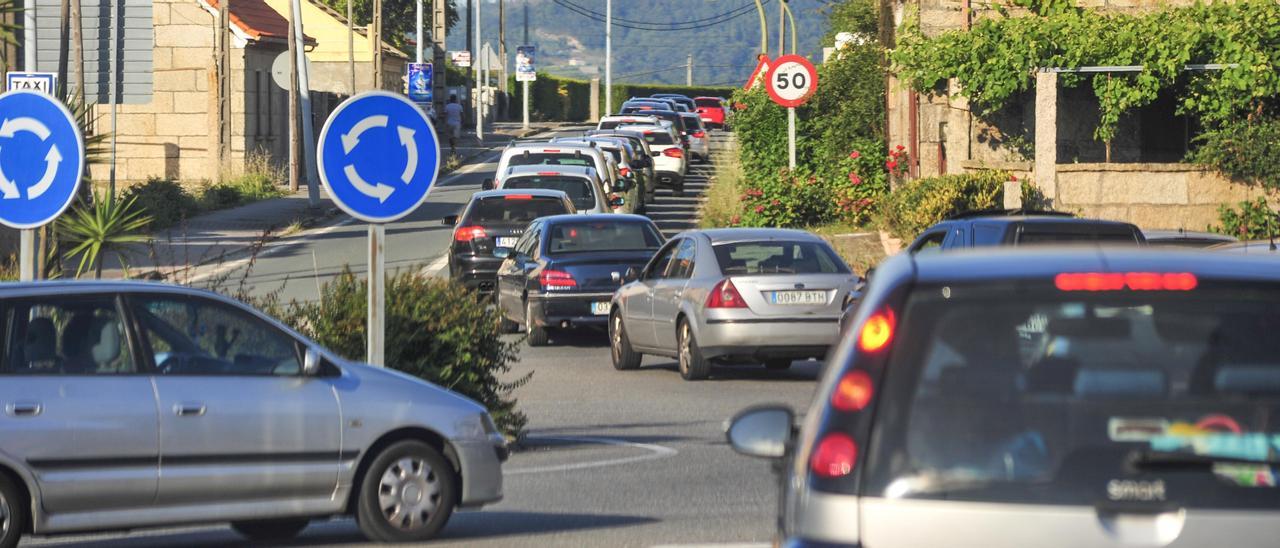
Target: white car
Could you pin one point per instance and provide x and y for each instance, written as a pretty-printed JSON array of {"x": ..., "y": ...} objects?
[
  {"x": 580, "y": 183},
  {"x": 618, "y": 120},
  {"x": 552, "y": 155},
  {"x": 699, "y": 139},
  {"x": 670, "y": 162}
]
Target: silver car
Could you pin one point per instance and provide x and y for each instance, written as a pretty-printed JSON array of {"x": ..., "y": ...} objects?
[
  {"x": 767, "y": 296},
  {"x": 130, "y": 405}
]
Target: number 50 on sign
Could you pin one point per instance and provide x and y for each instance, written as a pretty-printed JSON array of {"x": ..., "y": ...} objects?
[{"x": 792, "y": 80}]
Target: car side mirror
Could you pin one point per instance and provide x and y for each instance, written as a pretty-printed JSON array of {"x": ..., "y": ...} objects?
[
  {"x": 449, "y": 220},
  {"x": 487, "y": 184},
  {"x": 311, "y": 363},
  {"x": 631, "y": 275},
  {"x": 617, "y": 202},
  {"x": 763, "y": 432},
  {"x": 870, "y": 270},
  {"x": 502, "y": 252}
]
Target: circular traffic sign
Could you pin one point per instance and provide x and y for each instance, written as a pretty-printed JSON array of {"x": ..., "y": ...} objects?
[
  {"x": 378, "y": 156},
  {"x": 41, "y": 158},
  {"x": 792, "y": 79}
]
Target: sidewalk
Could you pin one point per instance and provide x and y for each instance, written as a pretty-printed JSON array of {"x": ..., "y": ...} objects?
[{"x": 224, "y": 235}]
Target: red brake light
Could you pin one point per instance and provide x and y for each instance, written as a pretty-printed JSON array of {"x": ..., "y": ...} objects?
[
  {"x": 519, "y": 196},
  {"x": 1135, "y": 281},
  {"x": 673, "y": 152},
  {"x": 625, "y": 171},
  {"x": 468, "y": 233},
  {"x": 545, "y": 173},
  {"x": 834, "y": 456},
  {"x": 725, "y": 295},
  {"x": 877, "y": 332},
  {"x": 699, "y": 134},
  {"x": 854, "y": 392},
  {"x": 551, "y": 150},
  {"x": 555, "y": 279}
]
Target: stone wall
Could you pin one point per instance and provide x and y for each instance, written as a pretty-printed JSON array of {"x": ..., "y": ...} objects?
[{"x": 1152, "y": 196}]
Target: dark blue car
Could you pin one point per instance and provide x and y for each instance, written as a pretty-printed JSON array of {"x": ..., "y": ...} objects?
[{"x": 563, "y": 271}]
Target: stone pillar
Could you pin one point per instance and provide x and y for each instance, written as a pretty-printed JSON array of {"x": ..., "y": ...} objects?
[
  {"x": 1046, "y": 143},
  {"x": 595, "y": 100}
]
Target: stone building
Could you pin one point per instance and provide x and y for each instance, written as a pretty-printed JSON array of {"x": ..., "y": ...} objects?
[{"x": 1047, "y": 135}]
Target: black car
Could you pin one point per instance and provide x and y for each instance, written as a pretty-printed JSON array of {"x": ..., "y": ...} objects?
[
  {"x": 563, "y": 271},
  {"x": 1020, "y": 228},
  {"x": 495, "y": 218},
  {"x": 687, "y": 102}
]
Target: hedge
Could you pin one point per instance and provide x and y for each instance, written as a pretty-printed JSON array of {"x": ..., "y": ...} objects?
[{"x": 916, "y": 205}]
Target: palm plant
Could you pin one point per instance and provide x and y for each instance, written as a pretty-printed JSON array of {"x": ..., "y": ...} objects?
[{"x": 105, "y": 226}]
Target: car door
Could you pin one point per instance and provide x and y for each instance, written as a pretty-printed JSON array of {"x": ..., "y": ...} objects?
[
  {"x": 668, "y": 292},
  {"x": 79, "y": 409},
  {"x": 238, "y": 419},
  {"x": 929, "y": 242},
  {"x": 639, "y": 308},
  {"x": 511, "y": 273}
]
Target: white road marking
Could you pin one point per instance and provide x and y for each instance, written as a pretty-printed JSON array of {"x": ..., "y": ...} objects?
[
  {"x": 654, "y": 452},
  {"x": 436, "y": 266}
]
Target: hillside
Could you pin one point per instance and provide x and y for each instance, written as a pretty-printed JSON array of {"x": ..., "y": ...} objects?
[{"x": 571, "y": 44}]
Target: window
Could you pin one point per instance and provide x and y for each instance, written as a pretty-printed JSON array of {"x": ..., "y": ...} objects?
[
  {"x": 578, "y": 188},
  {"x": 984, "y": 235},
  {"x": 526, "y": 244},
  {"x": 195, "y": 336},
  {"x": 772, "y": 257},
  {"x": 71, "y": 336},
  {"x": 683, "y": 265},
  {"x": 550, "y": 159},
  {"x": 656, "y": 137},
  {"x": 657, "y": 268},
  {"x": 601, "y": 236},
  {"x": 707, "y": 103},
  {"x": 514, "y": 210},
  {"x": 929, "y": 243}
]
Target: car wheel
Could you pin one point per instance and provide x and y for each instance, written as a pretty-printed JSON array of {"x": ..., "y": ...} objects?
[
  {"x": 407, "y": 494},
  {"x": 624, "y": 357},
  {"x": 270, "y": 530},
  {"x": 537, "y": 334},
  {"x": 13, "y": 513},
  {"x": 678, "y": 189},
  {"x": 692, "y": 365},
  {"x": 778, "y": 364}
]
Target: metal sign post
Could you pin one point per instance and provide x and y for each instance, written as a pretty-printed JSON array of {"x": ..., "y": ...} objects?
[
  {"x": 379, "y": 159},
  {"x": 45, "y": 149},
  {"x": 791, "y": 81},
  {"x": 526, "y": 71}
]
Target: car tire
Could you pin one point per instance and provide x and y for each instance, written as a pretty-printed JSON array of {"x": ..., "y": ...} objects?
[
  {"x": 678, "y": 189},
  {"x": 625, "y": 358},
  {"x": 537, "y": 335},
  {"x": 693, "y": 366},
  {"x": 779, "y": 364},
  {"x": 507, "y": 327},
  {"x": 13, "y": 513},
  {"x": 411, "y": 464},
  {"x": 271, "y": 530}
]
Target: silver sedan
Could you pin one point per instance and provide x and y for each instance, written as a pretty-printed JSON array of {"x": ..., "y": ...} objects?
[{"x": 732, "y": 296}]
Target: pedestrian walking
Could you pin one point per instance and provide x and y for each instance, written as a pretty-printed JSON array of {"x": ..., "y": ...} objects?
[{"x": 453, "y": 119}]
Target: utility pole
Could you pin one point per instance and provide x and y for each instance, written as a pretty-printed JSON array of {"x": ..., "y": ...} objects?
[
  {"x": 304, "y": 103},
  {"x": 221, "y": 73},
  {"x": 475, "y": 61},
  {"x": 502, "y": 54},
  {"x": 608, "y": 57},
  {"x": 295, "y": 141},
  {"x": 526, "y": 23},
  {"x": 439, "y": 31},
  {"x": 688, "y": 71},
  {"x": 417, "y": 4},
  {"x": 764, "y": 29},
  {"x": 351, "y": 45},
  {"x": 376, "y": 41},
  {"x": 795, "y": 31},
  {"x": 782, "y": 27}
]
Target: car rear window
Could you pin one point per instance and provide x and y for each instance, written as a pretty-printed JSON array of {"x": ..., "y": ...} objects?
[
  {"x": 774, "y": 257},
  {"x": 707, "y": 103},
  {"x": 514, "y": 210},
  {"x": 550, "y": 159},
  {"x": 1026, "y": 393},
  {"x": 580, "y": 190},
  {"x": 658, "y": 138},
  {"x": 1041, "y": 233},
  {"x": 602, "y": 236},
  {"x": 693, "y": 122}
]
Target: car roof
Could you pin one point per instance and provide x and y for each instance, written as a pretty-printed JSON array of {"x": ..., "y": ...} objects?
[
  {"x": 994, "y": 264},
  {"x": 578, "y": 171},
  {"x": 617, "y": 117},
  {"x": 624, "y": 217},
  {"x": 548, "y": 145},
  {"x": 538, "y": 192},
  {"x": 1246, "y": 247},
  {"x": 733, "y": 235},
  {"x": 1186, "y": 235},
  {"x": 1036, "y": 219},
  {"x": 63, "y": 287},
  {"x": 599, "y": 142}
]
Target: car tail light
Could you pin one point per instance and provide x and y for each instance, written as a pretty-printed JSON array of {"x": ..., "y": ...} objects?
[
  {"x": 625, "y": 171},
  {"x": 551, "y": 150},
  {"x": 854, "y": 391},
  {"x": 725, "y": 295},
  {"x": 519, "y": 196},
  {"x": 700, "y": 134},
  {"x": 834, "y": 456},
  {"x": 546, "y": 173},
  {"x": 673, "y": 152},
  {"x": 468, "y": 233},
  {"x": 877, "y": 332},
  {"x": 556, "y": 279},
  {"x": 1134, "y": 281}
]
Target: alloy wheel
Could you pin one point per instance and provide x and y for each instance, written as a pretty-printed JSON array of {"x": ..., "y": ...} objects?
[
  {"x": 409, "y": 493},
  {"x": 616, "y": 339},
  {"x": 685, "y": 350},
  {"x": 5, "y": 516}
]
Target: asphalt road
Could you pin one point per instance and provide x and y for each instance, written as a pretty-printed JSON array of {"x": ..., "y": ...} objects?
[{"x": 612, "y": 458}]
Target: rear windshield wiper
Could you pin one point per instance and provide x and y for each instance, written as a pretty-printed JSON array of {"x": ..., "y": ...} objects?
[{"x": 1146, "y": 460}]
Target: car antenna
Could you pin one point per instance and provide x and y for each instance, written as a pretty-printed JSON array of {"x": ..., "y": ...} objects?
[{"x": 1271, "y": 228}]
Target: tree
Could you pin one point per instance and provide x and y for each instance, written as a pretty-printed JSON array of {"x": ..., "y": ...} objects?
[{"x": 399, "y": 17}]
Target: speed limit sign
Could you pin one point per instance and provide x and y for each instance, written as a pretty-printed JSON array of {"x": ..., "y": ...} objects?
[{"x": 792, "y": 79}]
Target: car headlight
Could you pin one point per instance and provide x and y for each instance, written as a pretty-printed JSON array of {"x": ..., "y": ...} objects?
[{"x": 473, "y": 427}]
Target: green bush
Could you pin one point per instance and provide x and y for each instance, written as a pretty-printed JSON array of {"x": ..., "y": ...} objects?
[
  {"x": 164, "y": 200},
  {"x": 436, "y": 331},
  {"x": 1248, "y": 150},
  {"x": 916, "y": 205},
  {"x": 219, "y": 196},
  {"x": 1251, "y": 221}
]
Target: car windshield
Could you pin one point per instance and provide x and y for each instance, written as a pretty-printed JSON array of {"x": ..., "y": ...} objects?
[
  {"x": 1022, "y": 392},
  {"x": 602, "y": 236},
  {"x": 777, "y": 257},
  {"x": 579, "y": 189},
  {"x": 712, "y": 103},
  {"x": 514, "y": 209},
  {"x": 551, "y": 159}
]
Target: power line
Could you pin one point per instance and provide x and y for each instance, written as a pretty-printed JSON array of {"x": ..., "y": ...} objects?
[
  {"x": 722, "y": 18},
  {"x": 649, "y": 23}
]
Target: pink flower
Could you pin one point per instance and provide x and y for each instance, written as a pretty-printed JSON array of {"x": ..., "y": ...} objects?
[
  {"x": 735, "y": 219},
  {"x": 759, "y": 209},
  {"x": 1013, "y": 178},
  {"x": 891, "y": 164},
  {"x": 854, "y": 155},
  {"x": 854, "y": 179},
  {"x": 776, "y": 202},
  {"x": 901, "y": 148}
]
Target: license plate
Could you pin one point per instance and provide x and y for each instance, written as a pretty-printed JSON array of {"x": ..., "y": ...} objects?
[
  {"x": 505, "y": 241},
  {"x": 600, "y": 309},
  {"x": 798, "y": 297}
]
